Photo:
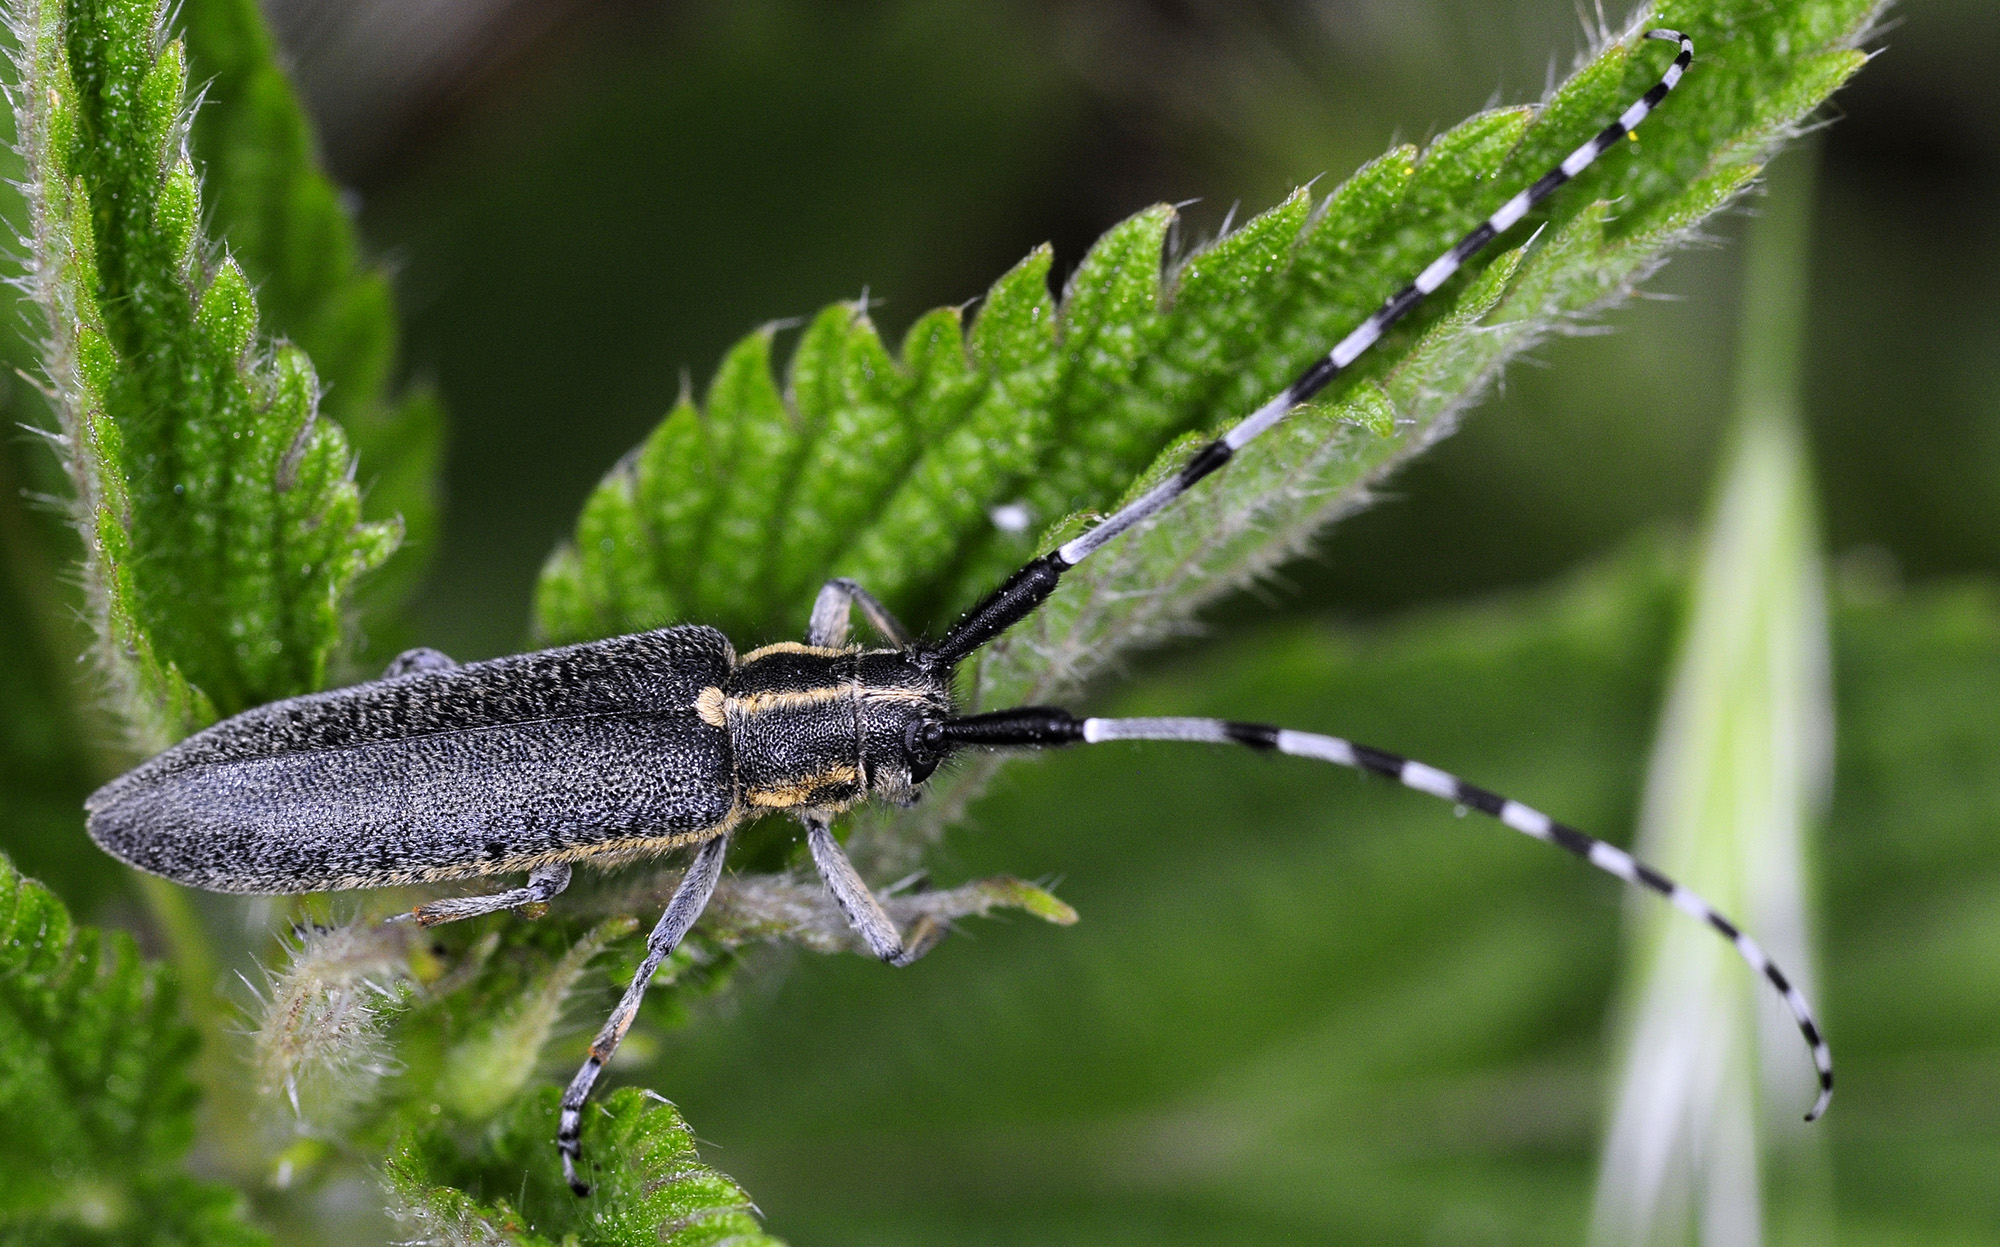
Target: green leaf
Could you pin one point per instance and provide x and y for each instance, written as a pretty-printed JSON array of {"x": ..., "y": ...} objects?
[
  {"x": 289, "y": 233},
  {"x": 222, "y": 525},
  {"x": 1284, "y": 488},
  {"x": 886, "y": 469},
  {"x": 95, "y": 1089},
  {"x": 650, "y": 1185},
  {"x": 288, "y": 228}
]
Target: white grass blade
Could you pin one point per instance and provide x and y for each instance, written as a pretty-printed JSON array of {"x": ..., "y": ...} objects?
[{"x": 1738, "y": 772}]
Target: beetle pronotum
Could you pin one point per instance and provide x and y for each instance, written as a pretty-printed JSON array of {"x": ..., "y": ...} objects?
[{"x": 667, "y": 739}]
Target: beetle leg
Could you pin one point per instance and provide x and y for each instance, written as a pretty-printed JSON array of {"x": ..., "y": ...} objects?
[
  {"x": 830, "y": 612},
  {"x": 689, "y": 899},
  {"x": 864, "y": 913},
  {"x": 543, "y": 882},
  {"x": 423, "y": 658}
]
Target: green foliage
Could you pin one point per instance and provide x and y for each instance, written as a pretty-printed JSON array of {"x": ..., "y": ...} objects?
[
  {"x": 486, "y": 1069},
  {"x": 94, "y": 1089},
  {"x": 285, "y": 226},
  {"x": 223, "y": 533},
  {"x": 288, "y": 228},
  {"x": 508, "y": 1186},
  {"x": 371, "y": 1029},
  {"x": 1323, "y": 460},
  {"x": 1309, "y": 1007},
  {"x": 221, "y": 522},
  {"x": 884, "y": 468}
]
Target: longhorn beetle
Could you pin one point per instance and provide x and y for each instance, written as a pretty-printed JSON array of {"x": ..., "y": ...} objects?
[{"x": 646, "y": 743}]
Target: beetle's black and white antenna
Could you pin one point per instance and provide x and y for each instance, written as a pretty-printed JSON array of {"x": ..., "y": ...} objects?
[
  {"x": 667, "y": 739},
  {"x": 1041, "y": 727},
  {"x": 1045, "y": 727},
  {"x": 1029, "y": 587}
]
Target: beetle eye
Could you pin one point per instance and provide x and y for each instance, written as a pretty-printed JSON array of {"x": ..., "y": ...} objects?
[{"x": 923, "y": 745}]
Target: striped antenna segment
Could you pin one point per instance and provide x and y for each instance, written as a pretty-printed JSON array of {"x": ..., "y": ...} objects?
[
  {"x": 1351, "y": 348},
  {"x": 1608, "y": 858}
]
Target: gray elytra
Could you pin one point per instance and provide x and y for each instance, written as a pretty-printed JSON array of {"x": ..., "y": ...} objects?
[{"x": 649, "y": 743}]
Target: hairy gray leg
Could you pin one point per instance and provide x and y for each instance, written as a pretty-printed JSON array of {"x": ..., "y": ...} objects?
[
  {"x": 688, "y": 901},
  {"x": 544, "y": 882},
  {"x": 863, "y": 912},
  {"x": 411, "y": 661},
  {"x": 837, "y": 597}
]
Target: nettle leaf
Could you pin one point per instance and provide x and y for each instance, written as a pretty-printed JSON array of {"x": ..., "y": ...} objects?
[
  {"x": 896, "y": 470},
  {"x": 288, "y": 228},
  {"x": 888, "y": 468},
  {"x": 508, "y": 1186},
  {"x": 95, "y": 1089},
  {"x": 221, "y": 521}
]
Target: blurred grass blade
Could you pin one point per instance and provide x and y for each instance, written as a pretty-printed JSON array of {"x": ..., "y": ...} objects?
[
  {"x": 221, "y": 522},
  {"x": 1738, "y": 775}
]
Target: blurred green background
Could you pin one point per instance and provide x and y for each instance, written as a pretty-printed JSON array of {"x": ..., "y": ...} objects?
[{"x": 1297, "y": 1008}]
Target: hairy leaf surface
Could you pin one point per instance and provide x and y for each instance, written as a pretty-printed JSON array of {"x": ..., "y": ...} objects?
[
  {"x": 221, "y": 522},
  {"x": 895, "y": 469},
  {"x": 508, "y": 1188},
  {"x": 286, "y": 224},
  {"x": 95, "y": 1090}
]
